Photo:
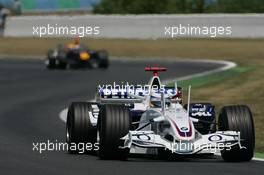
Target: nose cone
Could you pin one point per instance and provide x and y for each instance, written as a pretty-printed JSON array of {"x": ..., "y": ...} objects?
[{"x": 181, "y": 125}]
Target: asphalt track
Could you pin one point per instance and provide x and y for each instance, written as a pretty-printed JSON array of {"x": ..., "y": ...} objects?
[{"x": 31, "y": 98}]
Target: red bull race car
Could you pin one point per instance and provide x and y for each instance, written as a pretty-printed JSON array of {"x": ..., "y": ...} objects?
[{"x": 76, "y": 55}]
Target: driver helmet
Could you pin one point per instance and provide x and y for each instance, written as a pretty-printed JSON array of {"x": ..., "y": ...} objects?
[
  {"x": 76, "y": 41},
  {"x": 155, "y": 102}
]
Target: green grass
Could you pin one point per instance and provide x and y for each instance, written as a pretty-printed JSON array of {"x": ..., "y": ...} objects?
[
  {"x": 213, "y": 78},
  {"x": 259, "y": 155}
]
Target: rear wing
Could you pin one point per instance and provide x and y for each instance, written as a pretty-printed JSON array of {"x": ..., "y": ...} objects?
[{"x": 119, "y": 101}]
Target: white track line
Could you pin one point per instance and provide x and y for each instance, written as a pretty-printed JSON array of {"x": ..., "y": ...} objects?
[
  {"x": 227, "y": 65},
  {"x": 63, "y": 114},
  {"x": 258, "y": 159},
  {"x": 254, "y": 158}
]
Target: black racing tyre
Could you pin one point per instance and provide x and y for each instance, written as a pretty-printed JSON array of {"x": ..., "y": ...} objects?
[
  {"x": 74, "y": 66},
  {"x": 94, "y": 63},
  {"x": 62, "y": 65},
  {"x": 78, "y": 126},
  {"x": 103, "y": 57},
  {"x": 114, "y": 123},
  {"x": 51, "y": 63},
  {"x": 165, "y": 154},
  {"x": 238, "y": 118}
]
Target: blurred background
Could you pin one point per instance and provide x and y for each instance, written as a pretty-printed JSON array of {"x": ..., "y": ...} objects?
[{"x": 136, "y": 6}]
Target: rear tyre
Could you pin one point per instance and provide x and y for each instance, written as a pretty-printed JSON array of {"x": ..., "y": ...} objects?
[
  {"x": 94, "y": 63},
  {"x": 114, "y": 123},
  {"x": 103, "y": 57},
  {"x": 78, "y": 127},
  {"x": 62, "y": 65},
  {"x": 51, "y": 61},
  {"x": 238, "y": 118},
  {"x": 74, "y": 66}
]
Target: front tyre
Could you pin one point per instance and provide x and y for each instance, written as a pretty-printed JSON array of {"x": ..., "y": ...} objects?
[
  {"x": 238, "y": 118},
  {"x": 114, "y": 123},
  {"x": 79, "y": 129}
]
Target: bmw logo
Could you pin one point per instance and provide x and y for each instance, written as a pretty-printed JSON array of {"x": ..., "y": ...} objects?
[{"x": 184, "y": 129}]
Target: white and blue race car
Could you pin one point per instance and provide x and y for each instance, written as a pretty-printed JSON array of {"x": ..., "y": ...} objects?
[{"x": 153, "y": 120}]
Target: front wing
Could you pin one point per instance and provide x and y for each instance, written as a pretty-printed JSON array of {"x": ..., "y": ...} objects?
[{"x": 210, "y": 143}]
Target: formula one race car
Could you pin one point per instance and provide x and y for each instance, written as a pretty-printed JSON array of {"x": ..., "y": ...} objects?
[
  {"x": 76, "y": 55},
  {"x": 152, "y": 120}
]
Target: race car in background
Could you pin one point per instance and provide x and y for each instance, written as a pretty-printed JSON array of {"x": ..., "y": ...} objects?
[
  {"x": 155, "y": 121},
  {"x": 75, "y": 55}
]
